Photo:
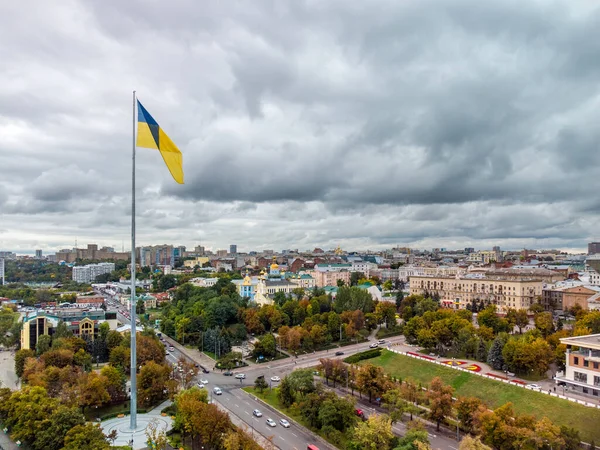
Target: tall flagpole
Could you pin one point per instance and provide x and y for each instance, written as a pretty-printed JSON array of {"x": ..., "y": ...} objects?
[{"x": 133, "y": 368}]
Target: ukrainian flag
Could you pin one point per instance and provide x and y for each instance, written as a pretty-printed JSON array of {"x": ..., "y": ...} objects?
[{"x": 151, "y": 135}]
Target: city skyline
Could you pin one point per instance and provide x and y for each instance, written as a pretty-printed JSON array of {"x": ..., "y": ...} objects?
[{"x": 429, "y": 124}]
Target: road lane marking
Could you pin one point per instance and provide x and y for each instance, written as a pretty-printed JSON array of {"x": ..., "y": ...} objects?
[
  {"x": 297, "y": 436},
  {"x": 249, "y": 414},
  {"x": 236, "y": 405}
]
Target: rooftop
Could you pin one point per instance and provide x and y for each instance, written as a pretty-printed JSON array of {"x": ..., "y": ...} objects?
[{"x": 588, "y": 341}]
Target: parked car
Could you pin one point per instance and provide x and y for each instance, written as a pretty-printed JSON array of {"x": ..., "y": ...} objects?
[
  {"x": 204, "y": 381},
  {"x": 275, "y": 378},
  {"x": 240, "y": 376},
  {"x": 228, "y": 373},
  {"x": 217, "y": 391},
  {"x": 257, "y": 413},
  {"x": 534, "y": 386},
  {"x": 200, "y": 385},
  {"x": 205, "y": 370},
  {"x": 339, "y": 353},
  {"x": 284, "y": 423},
  {"x": 374, "y": 345},
  {"x": 382, "y": 341},
  {"x": 271, "y": 422}
]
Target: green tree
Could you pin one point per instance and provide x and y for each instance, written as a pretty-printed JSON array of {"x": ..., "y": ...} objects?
[
  {"x": 88, "y": 436},
  {"x": 544, "y": 323},
  {"x": 337, "y": 413},
  {"x": 521, "y": 319},
  {"x": 373, "y": 434},
  {"x": 20, "y": 357},
  {"x": 53, "y": 436},
  {"x": 43, "y": 344},
  {"x": 113, "y": 339},
  {"x": 260, "y": 384},
  {"x": 83, "y": 360},
  {"x": 286, "y": 393},
  {"x": 120, "y": 357},
  {"x": 115, "y": 383},
  {"x": 62, "y": 330},
  {"x": 412, "y": 438},
  {"x": 394, "y": 402},
  {"x": 152, "y": 383},
  {"x": 495, "y": 358},
  {"x": 265, "y": 346},
  {"x": 28, "y": 413}
]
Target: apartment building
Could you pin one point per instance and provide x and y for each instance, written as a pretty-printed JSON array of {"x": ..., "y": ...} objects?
[
  {"x": 582, "y": 372},
  {"x": 408, "y": 271},
  {"x": 565, "y": 297},
  {"x": 88, "y": 273},
  {"x": 457, "y": 292}
]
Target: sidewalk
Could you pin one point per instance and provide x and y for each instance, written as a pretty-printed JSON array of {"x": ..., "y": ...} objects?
[{"x": 6, "y": 443}]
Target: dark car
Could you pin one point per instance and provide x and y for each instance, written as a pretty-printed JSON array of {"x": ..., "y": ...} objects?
[
  {"x": 339, "y": 353},
  {"x": 228, "y": 373},
  {"x": 205, "y": 370}
]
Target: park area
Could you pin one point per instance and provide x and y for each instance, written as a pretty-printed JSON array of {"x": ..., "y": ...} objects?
[{"x": 494, "y": 393}]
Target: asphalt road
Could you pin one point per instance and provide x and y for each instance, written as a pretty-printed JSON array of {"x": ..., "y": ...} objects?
[{"x": 241, "y": 405}]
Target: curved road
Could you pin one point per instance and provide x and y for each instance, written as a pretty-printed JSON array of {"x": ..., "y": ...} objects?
[{"x": 240, "y": 405}]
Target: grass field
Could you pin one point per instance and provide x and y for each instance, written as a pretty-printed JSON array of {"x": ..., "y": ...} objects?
[
  {"x": 495, "y": 393},
  {"x": 270, "y": 397}
]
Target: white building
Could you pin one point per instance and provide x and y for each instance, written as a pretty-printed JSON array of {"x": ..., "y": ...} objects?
[
  {"x": 87, "y": 274},
  {"x": 363, "y": 266}
]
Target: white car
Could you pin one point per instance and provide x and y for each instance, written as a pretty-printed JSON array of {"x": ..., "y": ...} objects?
[
  {"x": 204, "y": 381},
  {"x": 374, "y": 345},
  {"x": 217, "y": 391},
  {"x": 240, "y": 376},
  {"x": 257, "y": 413},
  {"x": 271, "y": 422},
  {"x": 534, "y": 386},
  {"x": 200, "y": 385},
  {"x": 284, "y": 423},
  {"x": 275, "y": 379}
]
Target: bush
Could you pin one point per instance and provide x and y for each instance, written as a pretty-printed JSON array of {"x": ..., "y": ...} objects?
[
  {"x": 170, "y": 410},
  {"x": 387, "y": 332},
  {"x": 374, "y": 353}
]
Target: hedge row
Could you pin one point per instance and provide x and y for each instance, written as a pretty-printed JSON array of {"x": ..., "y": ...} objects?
[{"x": 374, "y": 353}]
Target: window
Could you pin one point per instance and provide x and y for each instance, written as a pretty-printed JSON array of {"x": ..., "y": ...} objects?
[
  {"x": 575, "y": 360},
  {"x": 596, "y": 380},
  {"x": 581, "y": 377},
  {"x": 586, "y": 363},
  {"x": 595, "y": 365},
  {"x": 585, "y": 390}
]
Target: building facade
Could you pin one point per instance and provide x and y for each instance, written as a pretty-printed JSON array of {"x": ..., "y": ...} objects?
[
  {"x": 455, "y": 292},
  {"x": 81, "y": 323},
  {"x": 582, "y": 372},
  {"x": 88, "y": 273}
]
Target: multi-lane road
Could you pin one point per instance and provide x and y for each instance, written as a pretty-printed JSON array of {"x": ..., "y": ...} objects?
[{"x": 241, "y": 405}]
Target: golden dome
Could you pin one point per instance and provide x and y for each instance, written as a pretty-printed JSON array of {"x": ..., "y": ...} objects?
[{"x": 274, "y": 266}]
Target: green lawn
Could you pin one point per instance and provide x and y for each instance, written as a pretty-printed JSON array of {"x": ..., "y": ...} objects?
[
  {"x": 495, "y": 393},
  {"x": 269, "y": 396}
]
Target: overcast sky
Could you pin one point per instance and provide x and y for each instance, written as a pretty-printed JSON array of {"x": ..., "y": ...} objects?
[{"x": 302, "y": 123}]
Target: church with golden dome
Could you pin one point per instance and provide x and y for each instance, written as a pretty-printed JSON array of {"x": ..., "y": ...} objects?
[{"x": 262, "y": 288}]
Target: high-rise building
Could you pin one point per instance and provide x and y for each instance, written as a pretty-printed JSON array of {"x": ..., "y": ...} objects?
[
  {"x": 2, "y": 270},
  {"x": 87, "y": 274},
  {"x": 221, "y": 253},
  {"x": 233, "y": 249},
  {"x": 593, "y": 248},
  {"x": 38, "y": 254}
]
